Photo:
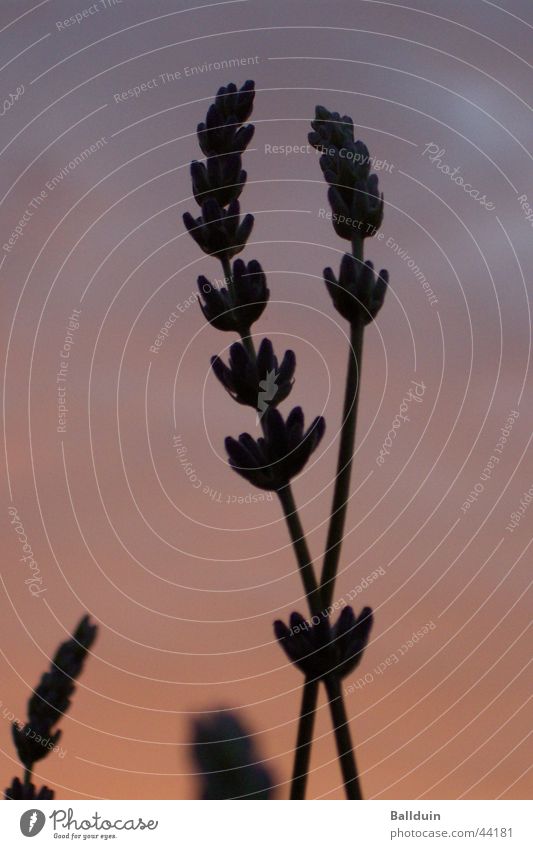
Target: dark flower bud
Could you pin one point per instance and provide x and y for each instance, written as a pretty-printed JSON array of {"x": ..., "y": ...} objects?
[
  {"x": 216, "y": 306},
  {"x": 251, "y": 291},
  {"x": 20, "y": 791},
  {"x": 330, "y": 130},
  {"x": 218, "y": 231},
  {"x": 220, "y": 135},
  {"x": 236, "y": 103},
  {"x": 346, "y": 166},
  {"x": 222, "y": 179},
  {"x": 238, "y": 306},
  {"x": 319, "y": 649},
  {"x": 357, "y": 294},
  {"x": 260, "y": 382},
  {"x": 358, "y": 210},
  {"x": 355, "y": 200},
  {"x": 271, "y": 461}
]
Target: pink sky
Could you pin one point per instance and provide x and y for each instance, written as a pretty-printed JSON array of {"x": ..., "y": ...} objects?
[{"x": 185, "y": 583}]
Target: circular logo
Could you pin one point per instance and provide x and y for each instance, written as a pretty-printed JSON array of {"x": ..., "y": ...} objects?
[{"x": 32, "y": 822}]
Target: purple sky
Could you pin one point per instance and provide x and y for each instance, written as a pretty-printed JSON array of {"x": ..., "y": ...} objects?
[{"x": 185, "y": 580}]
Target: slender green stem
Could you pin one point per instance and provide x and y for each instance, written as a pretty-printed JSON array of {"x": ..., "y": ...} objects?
[
  {"x": 332, "y": 554},
  {"x": 312, "y": 590},
  {"x": 342, "y": 738},
  {"x": 248, "y": 343},
  {"x": 306, "y": 724},
  {"x": 245, "y": 335},
  {"x": 344, "y": 467},
  {"x": 305, "y": 563},
  {"x": 226, "y": 268},
  {"x": 228, "y": 277},
  {"x": 357, "y": 245}
]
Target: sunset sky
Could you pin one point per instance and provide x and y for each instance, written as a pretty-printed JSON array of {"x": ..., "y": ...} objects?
[{"x": 185, "y": 579}]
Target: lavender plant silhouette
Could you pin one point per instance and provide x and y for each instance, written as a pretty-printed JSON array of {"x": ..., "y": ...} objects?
[
  {"x": 322, "y": 651},
  {"x": 49, "y": 702}
]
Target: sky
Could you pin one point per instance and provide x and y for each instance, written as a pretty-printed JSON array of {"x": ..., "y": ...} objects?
[{"x": 185, "y": 573}]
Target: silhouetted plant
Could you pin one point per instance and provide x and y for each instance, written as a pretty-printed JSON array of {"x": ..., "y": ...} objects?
[
  {"x": 50, "y": 700},
  {"x": 228, "y": 762},
  {"x": 322, "y": 651}
]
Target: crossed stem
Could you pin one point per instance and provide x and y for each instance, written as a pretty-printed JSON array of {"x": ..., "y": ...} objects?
[
  {"x": 310, "y": 688},
  {"x": 329, "y": 572},
  {"x": 319, "y": 596}
]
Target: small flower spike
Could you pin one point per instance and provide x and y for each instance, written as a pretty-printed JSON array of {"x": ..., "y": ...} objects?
[
  {"x": 223, "y": 139},
  {"x": 358, "y": 210},
  {"x": 357, "y": 294},
  {"x": 260, "y": 382},
  {"x": 236, "y": 103},
  {"x": 51, "y": 699},
  {"x": 330, "y": 130},
  {"x": 354, "y": 196},
  {"x": 222, "y": 179},
  {"x": 320, "y": 649},
  {"x": 271, "y": 462},
  {"x": 222, "y": 131}
]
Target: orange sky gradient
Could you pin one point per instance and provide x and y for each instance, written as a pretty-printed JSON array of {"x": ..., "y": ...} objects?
[{"x": 184, "y": 582}]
